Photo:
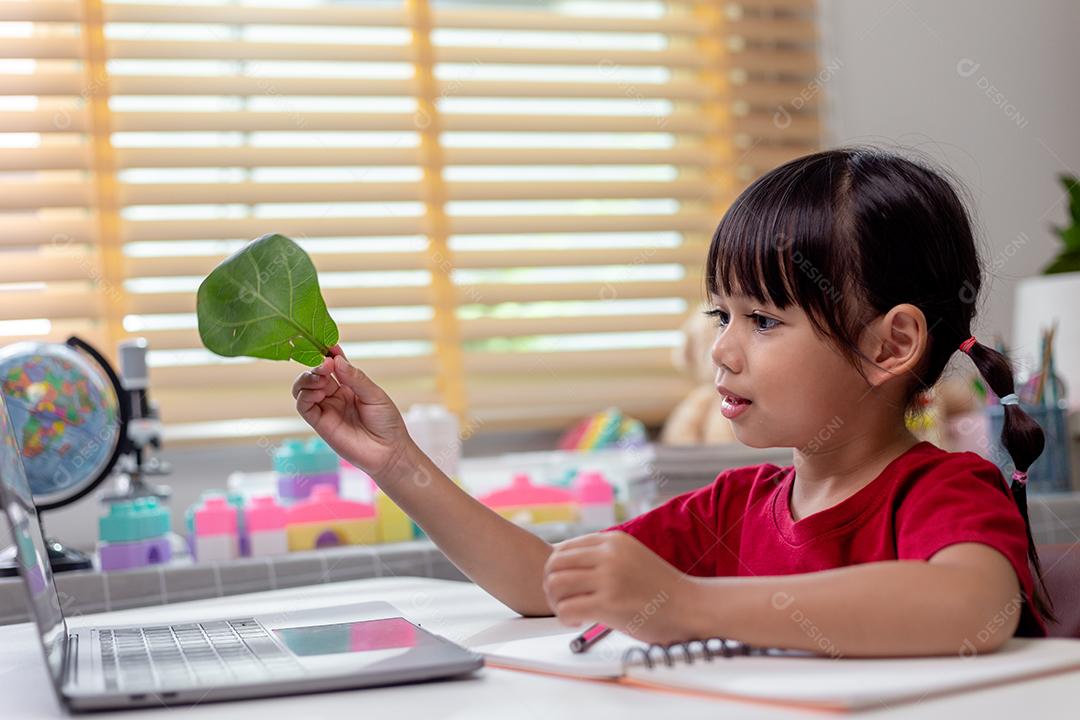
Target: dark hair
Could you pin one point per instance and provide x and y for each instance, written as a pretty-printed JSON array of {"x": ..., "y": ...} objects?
[{"x": 848, "y": 234}]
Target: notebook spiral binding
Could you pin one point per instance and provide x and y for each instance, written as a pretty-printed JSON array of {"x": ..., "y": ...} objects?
[{"x": 670, "y": 653}]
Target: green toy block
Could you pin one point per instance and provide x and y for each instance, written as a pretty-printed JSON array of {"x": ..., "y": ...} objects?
[
  {"x": 311, "y": 457},
  {"x": 133, "y": 520}
]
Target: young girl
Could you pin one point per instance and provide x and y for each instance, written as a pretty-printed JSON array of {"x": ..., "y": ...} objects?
[{"x": 841, "y": 284}]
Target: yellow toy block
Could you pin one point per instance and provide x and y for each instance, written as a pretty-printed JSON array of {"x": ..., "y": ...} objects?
[
  {"x": 536, "y": 514},
  {"x": 308, "y": 536},
  {"x": 393, "y": 524}
]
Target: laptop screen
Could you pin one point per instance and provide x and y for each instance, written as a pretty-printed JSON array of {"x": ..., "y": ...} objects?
[{"x": 30, "y": 549}]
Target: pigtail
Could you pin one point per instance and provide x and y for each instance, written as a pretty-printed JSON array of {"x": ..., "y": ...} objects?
[{"x": 1024, "y": 440}]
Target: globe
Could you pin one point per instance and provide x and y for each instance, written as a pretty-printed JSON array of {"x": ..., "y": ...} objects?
[{"x": 65, "y": 413}]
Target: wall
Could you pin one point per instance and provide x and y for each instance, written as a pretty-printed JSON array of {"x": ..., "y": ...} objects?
[{"x": 987, "y": 87}]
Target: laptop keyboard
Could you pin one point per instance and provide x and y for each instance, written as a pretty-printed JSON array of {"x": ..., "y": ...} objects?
[{"x": 192, "y": 654}]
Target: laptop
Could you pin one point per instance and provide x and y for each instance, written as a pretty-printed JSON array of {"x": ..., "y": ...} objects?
[{"x": 183, "y": 663}]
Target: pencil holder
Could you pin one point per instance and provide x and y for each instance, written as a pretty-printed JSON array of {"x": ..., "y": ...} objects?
[{"x": 1052, "y": 472}]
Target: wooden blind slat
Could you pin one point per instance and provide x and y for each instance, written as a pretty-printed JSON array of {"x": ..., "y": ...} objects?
[
  {"x": 330, "y": 156},
  {"x": 689, "y": 254},
  {"x": 72, "y": 193}
]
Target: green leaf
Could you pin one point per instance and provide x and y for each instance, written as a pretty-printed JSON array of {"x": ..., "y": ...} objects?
[
  {"x": 1072, "y": 186},
  {"x": 1070, "y": 236},
  {"x": 1065, "y": 262},
  {"x": 263, "y": 301}
]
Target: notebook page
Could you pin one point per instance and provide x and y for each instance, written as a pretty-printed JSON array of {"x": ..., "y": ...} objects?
[
  {"x": 861, "y": 683},
  {"x": 552, "y": 654}
]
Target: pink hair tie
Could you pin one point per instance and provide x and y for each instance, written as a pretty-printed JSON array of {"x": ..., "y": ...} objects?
[
  {"x": 1020, "y": 476},
  {"x": 966, "y": 345}
]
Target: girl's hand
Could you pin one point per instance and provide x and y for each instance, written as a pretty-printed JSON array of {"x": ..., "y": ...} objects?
[
  {"x": 354, "y": 415},
  {"x": 611, "y": 578}
]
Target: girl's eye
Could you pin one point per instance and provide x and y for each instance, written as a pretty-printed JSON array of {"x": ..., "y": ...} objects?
[
  {"x": 762, "y": 323},
  {"x": 721, "y": 316}
]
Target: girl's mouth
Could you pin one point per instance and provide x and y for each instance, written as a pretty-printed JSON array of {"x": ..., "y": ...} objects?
[{"x": 732, "y": 405}]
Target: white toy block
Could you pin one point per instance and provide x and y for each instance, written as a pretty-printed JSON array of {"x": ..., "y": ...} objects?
[
  {"x": 269, "y": 542},
  {"x": 216, "y": 548}
]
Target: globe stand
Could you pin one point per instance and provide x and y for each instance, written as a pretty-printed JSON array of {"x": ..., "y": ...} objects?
[
  {"x": 61, "y": 557},
  {"x": 133, "y": 472}
]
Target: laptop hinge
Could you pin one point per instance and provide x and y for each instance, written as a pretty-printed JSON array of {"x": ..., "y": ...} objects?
[{"x": 71, "y": 661}]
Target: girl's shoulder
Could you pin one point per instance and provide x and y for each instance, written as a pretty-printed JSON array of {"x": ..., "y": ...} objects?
[
  {"x": 927, "y": 464},
  {"x": 949, "y": 486},
  {"x": 752, "y": 480}
]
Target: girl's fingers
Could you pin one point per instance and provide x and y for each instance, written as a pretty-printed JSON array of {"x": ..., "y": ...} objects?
[
  {"x": 575, "y": 558},
  {"x": 308, "y": 381},
  {"x": 566, "y": 584},
  {"x": 324, "y": 368},
  {"x": 576, "y": 610},
  {"x": 356, "y": 380},
  {"x": 305, "y": 399},
  {"x": 581, "y": 541}
]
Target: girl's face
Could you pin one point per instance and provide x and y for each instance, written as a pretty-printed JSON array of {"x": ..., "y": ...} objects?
[{"x": 802, "y": 391}]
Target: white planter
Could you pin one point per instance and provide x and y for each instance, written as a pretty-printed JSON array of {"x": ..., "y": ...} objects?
[{"x": 1040, "y": 301}]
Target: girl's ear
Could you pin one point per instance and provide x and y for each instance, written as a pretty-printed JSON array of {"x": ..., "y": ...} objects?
[{"x": 896, "y": 343}]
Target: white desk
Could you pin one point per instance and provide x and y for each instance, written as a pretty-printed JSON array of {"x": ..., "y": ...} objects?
[{"x": 466, "y": 614}]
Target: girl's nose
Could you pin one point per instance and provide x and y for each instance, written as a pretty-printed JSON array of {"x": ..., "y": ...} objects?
[{"x": 725, "y": 352}]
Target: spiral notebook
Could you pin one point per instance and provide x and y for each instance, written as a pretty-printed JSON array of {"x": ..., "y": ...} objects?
[{"x": 730, "y": 670}]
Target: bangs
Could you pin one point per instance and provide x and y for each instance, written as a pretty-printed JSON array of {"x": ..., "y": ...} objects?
[{"x": 781, "y": 243}]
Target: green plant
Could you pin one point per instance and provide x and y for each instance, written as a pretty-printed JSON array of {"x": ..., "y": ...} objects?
[
  {"x": 263, "y": 301},
  {"x": 1069, "y": 259}
]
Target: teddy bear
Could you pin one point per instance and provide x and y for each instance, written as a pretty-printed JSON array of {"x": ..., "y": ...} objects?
[{"x": 697, "y": 419}]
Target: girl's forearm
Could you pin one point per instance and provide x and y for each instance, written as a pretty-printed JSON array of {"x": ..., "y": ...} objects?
[
  {"x": 891, "y": 608},
  {"x": 504, "y": 559}
]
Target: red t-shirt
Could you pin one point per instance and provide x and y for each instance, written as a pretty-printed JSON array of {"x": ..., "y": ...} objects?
[{"x": 924, "y": 500}]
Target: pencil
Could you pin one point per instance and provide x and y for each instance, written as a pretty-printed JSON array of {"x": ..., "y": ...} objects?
[{"x": 592, "y": 635}]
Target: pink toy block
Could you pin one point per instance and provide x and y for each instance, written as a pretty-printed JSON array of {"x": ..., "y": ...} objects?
[
  {"x": 591, "y": 487},
  {"x": 522, "y": 492},
  {"x": 264, "y": 513},
  {"x": 324, "y": 505},
  {"x": 215, "y": 517},
  {"x": 265, "y": 522},
  {"x": 216, "y": 537},
  {"x": 596, "y": 501}
]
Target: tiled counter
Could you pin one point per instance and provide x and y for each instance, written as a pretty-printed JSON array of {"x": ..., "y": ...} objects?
[{"x": 91, "y": 591}]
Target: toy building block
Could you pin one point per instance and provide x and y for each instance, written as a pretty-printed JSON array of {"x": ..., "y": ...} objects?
[
  {"x": 303, "y": 466},
  {"x": 533, "y": 504},
  {"x": 134, "y": 534},
  {"x": 266, "y": 521},
  {"x": 130, "y": 555},
  {"x": 393, "y": 525},
  {"x": 236, "y": 499},
  {"x": 325, "y": 520},
  {"x": 596, "y": 501},
  {"x": 138, "y": 519},
  {"x": 216, "y": 530}
]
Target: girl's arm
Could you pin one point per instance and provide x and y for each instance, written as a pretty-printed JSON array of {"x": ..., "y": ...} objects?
[
  {"x": 964, "y": 600},
  {"x": 363, "y": 425},
  {"x": 504, "y": 559}
]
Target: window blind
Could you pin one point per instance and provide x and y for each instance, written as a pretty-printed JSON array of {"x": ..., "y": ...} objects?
[{"x": 508, "y": 203}]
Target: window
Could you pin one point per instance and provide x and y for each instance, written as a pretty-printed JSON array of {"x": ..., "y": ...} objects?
[{"x": 509, "y": 202}]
